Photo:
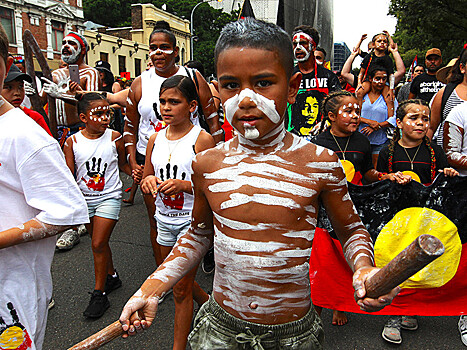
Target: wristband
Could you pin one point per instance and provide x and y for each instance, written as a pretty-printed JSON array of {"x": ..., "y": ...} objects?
[{"x": 380, "y": 176}]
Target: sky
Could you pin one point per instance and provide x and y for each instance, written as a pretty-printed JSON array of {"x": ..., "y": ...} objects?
[{"x": 373, "y": 15}]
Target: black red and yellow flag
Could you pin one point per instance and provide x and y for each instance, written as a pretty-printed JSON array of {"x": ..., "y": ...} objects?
[
  {"x": 247, "y": 10},
  {"x": 394, "y": 216}
]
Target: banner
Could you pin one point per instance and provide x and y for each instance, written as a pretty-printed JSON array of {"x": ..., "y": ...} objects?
[{"x": 377, "y": 204}]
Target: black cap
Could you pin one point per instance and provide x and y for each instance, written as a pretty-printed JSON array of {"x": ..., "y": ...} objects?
[
  {"x": 14, "y": 73},
  {"x": 103, "y": 65}
]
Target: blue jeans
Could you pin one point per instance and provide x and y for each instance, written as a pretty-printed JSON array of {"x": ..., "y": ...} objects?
[{"x": 216, "y": 329}]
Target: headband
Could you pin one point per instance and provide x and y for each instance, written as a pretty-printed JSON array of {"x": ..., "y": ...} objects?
[
  {"x": 79, "y": 38},
  {"x": 306, "y": 36}
]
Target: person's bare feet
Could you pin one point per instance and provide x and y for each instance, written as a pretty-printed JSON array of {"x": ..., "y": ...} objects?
[
  {"x": 128, "y": 201},
  {"x": 339, "y": 318}
]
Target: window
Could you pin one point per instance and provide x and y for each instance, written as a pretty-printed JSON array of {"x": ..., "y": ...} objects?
[
  {"x": 104, "y": 56},
  {"x": 183, "y": 56},
  {"x": 58, "y": 30},
  {"x": 7, "y": 19},
  {"x": 137, "y": 67},
  {"x": 121, "y": 64}
]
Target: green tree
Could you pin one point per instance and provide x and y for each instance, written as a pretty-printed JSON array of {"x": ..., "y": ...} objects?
[
  {"x": 207, "y": 21},
  {"x": 422, "y": 25}
]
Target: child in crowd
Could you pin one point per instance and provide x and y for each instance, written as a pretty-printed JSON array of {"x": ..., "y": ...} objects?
[
  {"x": 94, "y": 156},
  {"x": 380, "y": 57},
  {"x": 39, "y": 200},
  {"x": 167, "y": 177},
  {"x": 13, "y": 92},
  {"x": 411, "y": 155},
  {"x": 259, "y": 194}
]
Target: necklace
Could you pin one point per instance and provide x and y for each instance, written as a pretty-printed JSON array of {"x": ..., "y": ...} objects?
[
  {"x": 176, "y": 144},
  {"x": 337, "y": 143},
  {"x": 411, "y": 160}
]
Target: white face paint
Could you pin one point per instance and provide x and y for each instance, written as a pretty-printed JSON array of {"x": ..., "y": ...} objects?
[
  {"x": 296, "y": 39},
  {"x": 160, "y": 52},
  {"x": 268, "y": 107},
  {"x": 73, "y": 57}
]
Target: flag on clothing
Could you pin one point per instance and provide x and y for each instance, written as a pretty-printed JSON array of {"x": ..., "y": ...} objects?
[
  {"x": 378, "y": 205},
  {"x": 412, "y": 66},
  {"x": 247, "y": 10}
]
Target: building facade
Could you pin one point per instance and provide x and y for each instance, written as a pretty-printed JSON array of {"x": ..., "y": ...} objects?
[
  {"x": 341, "y": 53},
  {"x": 291, "y": 13}
]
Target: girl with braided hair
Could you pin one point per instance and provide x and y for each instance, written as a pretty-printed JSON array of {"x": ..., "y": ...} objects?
[
  {"x": 341, "y": 110},
  {"x": 411, "y": 155}
]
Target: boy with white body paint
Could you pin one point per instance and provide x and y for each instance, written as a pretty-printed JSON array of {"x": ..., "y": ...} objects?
[
  {"x": 35, "y": 206},
  {"x": 258, "y": 195}
]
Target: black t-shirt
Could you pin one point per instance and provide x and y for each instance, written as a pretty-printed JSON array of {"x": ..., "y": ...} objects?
[
  {"x": 421, "y": 163},
  {"x": 305, "y": 113},
  {"x": 358, "y": 150},
  {"x": 383, "y": 61},
  {"x": 424, "y": 86}
]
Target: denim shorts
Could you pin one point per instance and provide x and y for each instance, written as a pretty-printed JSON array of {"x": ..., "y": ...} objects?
[
  {"x": 375, "y": 149},
  {"x": 216, "y": 329},
  {"x": 167, "y": 234},
  {"x": 108, "y": 208}
]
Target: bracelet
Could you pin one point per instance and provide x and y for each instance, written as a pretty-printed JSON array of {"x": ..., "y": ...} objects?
[{"x": 380, "y": 176}]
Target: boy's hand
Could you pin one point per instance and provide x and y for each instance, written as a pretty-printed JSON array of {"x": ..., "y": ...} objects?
[
  {"x": 172, "y": 186},
  {"x": 369, "y": 304},
  {"x": 137, "y": 173},
  {"x": 449, "y": 172},
  {"x": 138, "y": 313},
  {"x": 149, "y": 185},
  {"x": 367, "y": 130},
  {"x": 364, "y": 36}
]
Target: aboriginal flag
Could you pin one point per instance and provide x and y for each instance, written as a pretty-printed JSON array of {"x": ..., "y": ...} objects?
[
  {"x": 247, "y": 10},
  {"x": 392, "y": 213}
]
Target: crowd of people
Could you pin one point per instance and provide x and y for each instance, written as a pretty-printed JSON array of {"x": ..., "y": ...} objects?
[{"x": 242, "y": 190}]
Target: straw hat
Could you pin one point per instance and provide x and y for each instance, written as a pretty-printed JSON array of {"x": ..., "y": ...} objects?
[{"x": 443, "y": 73}]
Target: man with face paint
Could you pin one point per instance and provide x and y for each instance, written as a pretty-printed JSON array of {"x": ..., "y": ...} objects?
[
  {"x": 74, "y": 48},
  {"x": 317, "y": 82}
]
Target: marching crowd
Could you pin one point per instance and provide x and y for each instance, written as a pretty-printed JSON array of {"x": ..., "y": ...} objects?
[{"x": 244, "y": 158}]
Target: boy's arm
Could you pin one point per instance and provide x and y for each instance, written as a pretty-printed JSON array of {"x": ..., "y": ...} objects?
[
  {"x": 400, "y": 67},
  {"x": 452, "y": 144},
  {"x": 209, "y": 109},
  {"x": 356, "y": 242},
  {"x": 122, "y": 162},
  {"x": 185, "y": 255},
  {"x": 69, "y": 155}
]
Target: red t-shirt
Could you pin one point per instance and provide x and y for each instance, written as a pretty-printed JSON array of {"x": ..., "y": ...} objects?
[{"x": 38, "y": 118}]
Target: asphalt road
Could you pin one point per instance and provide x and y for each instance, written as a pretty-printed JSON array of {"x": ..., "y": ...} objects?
[{"x": 73, "y": 278}]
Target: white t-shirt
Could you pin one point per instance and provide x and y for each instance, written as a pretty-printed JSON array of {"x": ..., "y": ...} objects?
[
  {"x": 97, "y": 167},
  {"x": 458, "y": 117},
  {"x": 34, "y": 182}
]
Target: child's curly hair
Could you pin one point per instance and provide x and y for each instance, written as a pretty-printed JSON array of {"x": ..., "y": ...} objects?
[{"x": 401, "y": 112}]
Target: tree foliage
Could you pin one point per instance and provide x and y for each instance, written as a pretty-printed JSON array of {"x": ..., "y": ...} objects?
[
  {"x": 207, "y": 21},
  {"x": 422, "y": 25}
]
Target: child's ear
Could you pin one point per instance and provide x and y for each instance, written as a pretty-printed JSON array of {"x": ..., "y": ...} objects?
[
  {"x": 193, "y": 105},
  {"x": 82, "y": 117},
  {"x": 399, "y": 123},
  {"x": 331, "y": 116},
  {"x": 294, "y": 85},
  {"x": 9, "y": 62}
]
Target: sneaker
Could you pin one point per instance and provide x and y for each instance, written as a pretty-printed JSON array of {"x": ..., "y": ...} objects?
[
  {"x": 97, "y": 305},
  {"x": 208, "y": 263},
  {"x": 112, "y": 283},
  {"x": 162, "y": 298},
  {"x": 463, "y": 328},
  {"x": 51, "y": 304},
  {"x": 82, "y": 230},
  {"x": 392, "y": 330},
  {"x": 69, "y": 239},
  {"x": 409, "y": 323}
]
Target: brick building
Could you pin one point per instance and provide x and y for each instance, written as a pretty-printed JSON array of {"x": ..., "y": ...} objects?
[{"x": 48, "y": 20}]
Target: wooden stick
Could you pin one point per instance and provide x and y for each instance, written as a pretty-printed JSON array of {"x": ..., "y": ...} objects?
[
  {"x": 412, "y": 259},
  {"x": 407, "y": 263}
]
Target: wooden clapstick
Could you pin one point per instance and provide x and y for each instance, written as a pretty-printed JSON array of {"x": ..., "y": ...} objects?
[
  {"x": 416, "y": 256},
  {"x": 412, "y": 259}
]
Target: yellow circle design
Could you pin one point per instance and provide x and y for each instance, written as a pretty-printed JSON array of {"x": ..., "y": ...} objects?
[
  {"x": 11, "y": 338},
  {"x": 404, "y": 228},
  {"x": 413, "y": 175},
  {"x": 349, "y": 169}
]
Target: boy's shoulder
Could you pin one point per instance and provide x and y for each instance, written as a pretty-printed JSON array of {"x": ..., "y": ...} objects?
[{"x": 303, "y": 151}]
